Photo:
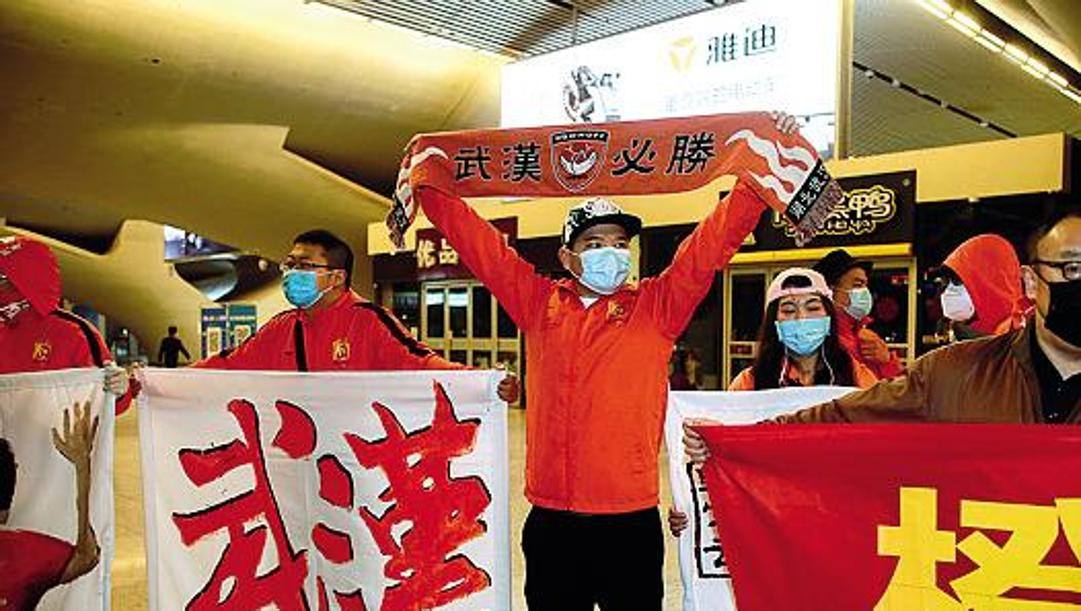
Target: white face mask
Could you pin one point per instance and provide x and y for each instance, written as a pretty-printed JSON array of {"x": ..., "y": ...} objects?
[{"x": 957, "y": 303}]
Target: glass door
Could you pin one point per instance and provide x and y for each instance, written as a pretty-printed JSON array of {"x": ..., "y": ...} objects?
[{"x": 463, "y": 321}]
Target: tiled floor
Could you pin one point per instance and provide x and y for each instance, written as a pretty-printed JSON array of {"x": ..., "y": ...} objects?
[{"x": 129, "y": 567}]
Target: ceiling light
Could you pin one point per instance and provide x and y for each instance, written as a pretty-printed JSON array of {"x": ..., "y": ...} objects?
[
  {"x": 963, "y": 27},
  {"x": 1034, "y": 72},
  {"x": 1073, "y": 95},
  {"x": 966, "y": 20},
  {"x": 1038, "y": 66},
  {"x": 1015, "y": 53},
  {"x": 989, "y": 45},
  {"x": 1057, "y": 79},
  {"x": 991, "y": 38},
  {"x": 939, "y": 8}
]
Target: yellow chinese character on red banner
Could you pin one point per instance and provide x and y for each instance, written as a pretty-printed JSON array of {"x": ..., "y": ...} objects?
[{"x": 919, "y": 546}]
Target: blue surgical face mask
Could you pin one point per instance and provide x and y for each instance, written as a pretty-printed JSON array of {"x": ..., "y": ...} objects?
[
  {"x": 802, "y": 336},
  {"x": 860, "y": 303},
  {"x": 604, "y": 270},
  {"x": 302, "y": 287}
]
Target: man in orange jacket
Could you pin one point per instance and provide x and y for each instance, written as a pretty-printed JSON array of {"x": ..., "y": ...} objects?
[
  {"x": 332, "y": 328},
  {"x": 849, "y": 278},
  {"x": 35, "y": 334},
  {"x": 597, "y": 353}
]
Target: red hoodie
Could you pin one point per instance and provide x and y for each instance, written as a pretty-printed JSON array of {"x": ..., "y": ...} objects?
[
  {"x": 849, "y": 333},
  {"x": 42, "y": 337},
  {"x": 989, "y": 267}
]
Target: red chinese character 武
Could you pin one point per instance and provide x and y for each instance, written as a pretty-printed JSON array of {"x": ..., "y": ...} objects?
[
  {"x": 443, "y": 511},
  {"x": 283, "y": 586}
]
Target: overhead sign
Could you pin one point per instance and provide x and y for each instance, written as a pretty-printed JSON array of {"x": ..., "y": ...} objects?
[{"x": 752, "y": 55}]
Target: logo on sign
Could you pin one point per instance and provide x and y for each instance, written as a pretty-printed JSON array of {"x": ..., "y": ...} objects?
[
  {"x": 578, "y": 157},
  {"x": 861, "y": 213},
  {"x": 681, "y": 53}
]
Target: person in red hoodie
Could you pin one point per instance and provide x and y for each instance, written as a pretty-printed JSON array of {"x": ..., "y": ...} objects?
[
  {"x": 32, "y": 563},
  {"x": 983, "y": 294},
  {"x": 849, "y": 279},
  {"x": 35, "y": 333},
  {"x": 332, "y": 328}
]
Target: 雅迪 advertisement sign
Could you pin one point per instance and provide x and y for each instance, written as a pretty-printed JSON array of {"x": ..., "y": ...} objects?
[{"x": 752, "y": 55}]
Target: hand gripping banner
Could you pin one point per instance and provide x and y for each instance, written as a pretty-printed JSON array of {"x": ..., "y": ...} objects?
[{"x": 707, "y": 582}]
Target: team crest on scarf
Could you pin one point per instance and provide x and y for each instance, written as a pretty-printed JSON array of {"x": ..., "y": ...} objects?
[
  {"x": 578, "y": 156},
  {"x": 42, "y": 350},
  {"x": 339, "y": 351}
]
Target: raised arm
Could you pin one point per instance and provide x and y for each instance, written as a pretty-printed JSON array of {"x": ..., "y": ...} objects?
[
  {"x": 673, "y": 295},
  {"x": 76, "y": 444},
  {"x": 484, "y": 250}
]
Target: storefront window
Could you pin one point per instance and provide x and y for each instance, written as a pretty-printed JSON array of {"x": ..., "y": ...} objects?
[
  {"x": 890, "y": 288},
  {"x": 748, "y": 302},
  {"x": 406, "y": 304},
  {"x": 433, "y": 300},
  {"x": 482, "y": 312},
  {"x": 505, "y": 326},
  {"x": 458, "y": 306}
]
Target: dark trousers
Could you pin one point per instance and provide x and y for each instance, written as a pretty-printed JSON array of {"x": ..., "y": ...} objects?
[{"x": 574, "y": 560}]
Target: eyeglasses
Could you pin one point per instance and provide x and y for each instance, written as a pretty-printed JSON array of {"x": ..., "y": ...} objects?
[
  {"x": 1070, "y": 270},
  {"x": 289, "y": 265}
]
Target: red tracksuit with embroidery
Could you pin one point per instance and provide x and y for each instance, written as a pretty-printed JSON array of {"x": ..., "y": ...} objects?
[
  {"x": 43, "y": 337},
  {"x": 352, "y": 334}
]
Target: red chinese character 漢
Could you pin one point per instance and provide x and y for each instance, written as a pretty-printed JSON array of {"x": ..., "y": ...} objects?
[
  {"x": 283, "y": 586},
  {"x": 443, "y": 512}
]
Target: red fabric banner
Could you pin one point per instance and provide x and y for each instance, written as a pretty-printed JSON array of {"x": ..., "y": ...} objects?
[
  {"x": 899, "y": 517},
  {"x": 625, "y": 158}
]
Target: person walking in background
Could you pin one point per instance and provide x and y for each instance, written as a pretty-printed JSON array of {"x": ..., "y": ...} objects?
[{"x": 170, "y": 350}]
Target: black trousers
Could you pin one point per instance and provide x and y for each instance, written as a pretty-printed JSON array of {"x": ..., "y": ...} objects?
[{"x": 574, "y": 560}]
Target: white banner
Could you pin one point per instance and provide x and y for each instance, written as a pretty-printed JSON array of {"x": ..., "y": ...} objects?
[
  {"x": 43, "y": 525},
  {"x": 707, "y": 585},
  {"x": 745, "y": 56},
  {"x": 325, "y": 490}
]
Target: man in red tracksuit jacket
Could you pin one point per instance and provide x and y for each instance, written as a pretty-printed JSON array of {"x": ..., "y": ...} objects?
[
  {"x": 597, "y": 349},
  {"x": 332, "y": 328},
  {"x": 36, "y": 335},
  {"x": 850, "y": 278}
]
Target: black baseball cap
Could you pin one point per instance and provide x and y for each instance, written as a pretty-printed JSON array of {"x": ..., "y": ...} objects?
[
  {"x": 597, "y": 211},
  {"x": 837, "y": 262}
]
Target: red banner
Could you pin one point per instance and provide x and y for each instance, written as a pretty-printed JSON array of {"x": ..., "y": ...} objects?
[{"x": 899, "y": 517}]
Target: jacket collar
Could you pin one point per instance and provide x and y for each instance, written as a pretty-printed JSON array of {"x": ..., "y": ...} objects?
[
  {"x": 570, "y": 285},
  {"x": 1021, "y": 346}
]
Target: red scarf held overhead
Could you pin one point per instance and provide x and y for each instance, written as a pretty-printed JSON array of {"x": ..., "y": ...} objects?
[{"x": 628, "y": 158}]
